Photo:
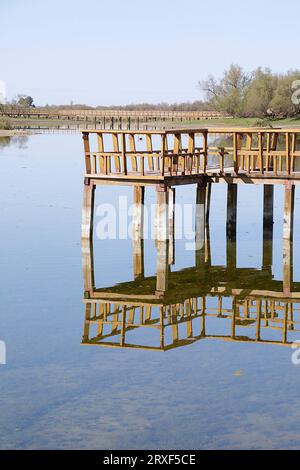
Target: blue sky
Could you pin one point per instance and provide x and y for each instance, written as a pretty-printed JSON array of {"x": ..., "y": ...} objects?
[{"x": 117, "y": 52}]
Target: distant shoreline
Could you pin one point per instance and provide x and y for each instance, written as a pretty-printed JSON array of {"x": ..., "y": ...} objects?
[
  {"x": 40, "y": 125},
  {"x": 14, "y": 132}
]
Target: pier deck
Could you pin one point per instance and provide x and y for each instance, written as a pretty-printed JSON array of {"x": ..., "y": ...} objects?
[{"x": 185, "y": 156}]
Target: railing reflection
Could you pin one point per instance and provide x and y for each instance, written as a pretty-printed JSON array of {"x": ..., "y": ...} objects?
[
  {"x": 177, "y": 308},
  {"x": 250, "y": 319}
]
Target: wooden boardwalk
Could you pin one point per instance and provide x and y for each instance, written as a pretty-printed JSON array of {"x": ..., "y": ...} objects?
[{"x": 112, "y": 115}]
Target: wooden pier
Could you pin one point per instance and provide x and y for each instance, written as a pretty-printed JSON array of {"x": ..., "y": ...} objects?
[
  {"x": 110, "y": 117},
  {"x": 167, "y": 158}
]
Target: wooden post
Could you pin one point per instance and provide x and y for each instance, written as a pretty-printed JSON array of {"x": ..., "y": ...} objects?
[
  {"x": 200, "y": 217},
  {"x": 203, "y": 318},
  {"x": 231, "y": 211},
  {"x": 138, "y": 232},
  {"x": 288, "y": 216},
  {"x": 163, "y": 150},
  {"x": 174, "y": 325},
  {"x": 231, "y": 224},
  {"x": 233, "y": 317},
  {"x": 287, "y": 153},
  {"x": 260, "y": 152},
  {"x": 235, "y": 153},
  {"x": 189, "y": 322},
  {"x": 162, "y": 331},
  {"x": 86, "y": 326},
  {"x": 268, "y": 210},
  {"x": 162, "y": 214},
  {"x": 288, "y": 224},
  {"x": 86, "y": 145},
  {"x": 162, "y": 267},
  {"x": 205, "y": 139},
  {"x": 123, "y": 326},
  {"x": 87, "y": 209},
  {"x": 287, "y": 266},
  {"x": 207, "y": 246},
  {"x": 207, "y": 203},
  {"x": 87, "y": 265},
  {"x": 123, "y": 150},
  {"x": 171, "y": 215},
  {"x": 258, "y": 318}
]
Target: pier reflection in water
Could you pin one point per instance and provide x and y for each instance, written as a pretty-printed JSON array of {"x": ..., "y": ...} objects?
[
  {"x": 174, "y": 309},
  {"x": 59, "y": 394}
]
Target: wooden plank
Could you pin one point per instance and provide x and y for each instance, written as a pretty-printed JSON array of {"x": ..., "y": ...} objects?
[
  {"x": 150, "y": 149},
  {"x": 123, "y": 148},
  {"x": 132, "y": 147},
  {"x": 138, "y": 232},
  {"x": 87, "y": 210},
  {"x": 115, "y": 138},
  {"x": 86, "y": 144}
]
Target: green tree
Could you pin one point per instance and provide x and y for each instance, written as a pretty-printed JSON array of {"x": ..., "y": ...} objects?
[
  {"x": 260, "y": 92},
  {"x": 24, "y": 101},
  {"x": 282, "y": 104},
  {"x": 228, "y": 93}
]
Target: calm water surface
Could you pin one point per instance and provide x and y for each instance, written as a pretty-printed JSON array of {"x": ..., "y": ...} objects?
[{"x": 59, "y": 394}]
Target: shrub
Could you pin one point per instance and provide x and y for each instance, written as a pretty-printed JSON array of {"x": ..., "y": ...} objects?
[{"x": 5, "y": 123}]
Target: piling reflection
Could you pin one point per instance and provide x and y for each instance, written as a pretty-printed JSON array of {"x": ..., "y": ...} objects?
[{"x": 174, "y": 309}]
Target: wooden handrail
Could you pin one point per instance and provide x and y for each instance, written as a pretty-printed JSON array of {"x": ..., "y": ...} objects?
[{"x": 177, "y": 152}]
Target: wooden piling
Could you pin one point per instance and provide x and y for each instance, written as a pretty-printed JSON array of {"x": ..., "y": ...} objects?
[
  {"x": 231, "y": 212},
  {"x": 287, "y": 266},
  {"x": 288, "y": 216},
  {"x": 268, "y": 211},
  {"x": 138, "y": 232},
  {"x": 231, "y": 225},
  {"x": 200, "y": 217},
  {"x": 87, "y": 264},
  {"x": 288, "y": 226},
  {"x": 87, "y": 209},
  {"x": 162, "y": 245},
  {"x": 171, "y": 222},
  {"x": 207, "y": 203}
]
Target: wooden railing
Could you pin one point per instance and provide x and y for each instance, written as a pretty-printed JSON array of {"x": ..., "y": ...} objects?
[
  {"x": 144, "y": 153},
  {"x": 272, "y": 151},
  {"x": 247, "y": 320},
  {"x": 113, "y": 113},
  {"x": 191, "y": 152}
]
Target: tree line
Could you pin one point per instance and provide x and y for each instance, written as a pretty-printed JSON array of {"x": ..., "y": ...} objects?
[{"x": 260, "y": 93}]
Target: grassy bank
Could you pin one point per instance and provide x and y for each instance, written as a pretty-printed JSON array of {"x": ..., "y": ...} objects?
[{"x": 239, "y": 122}]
